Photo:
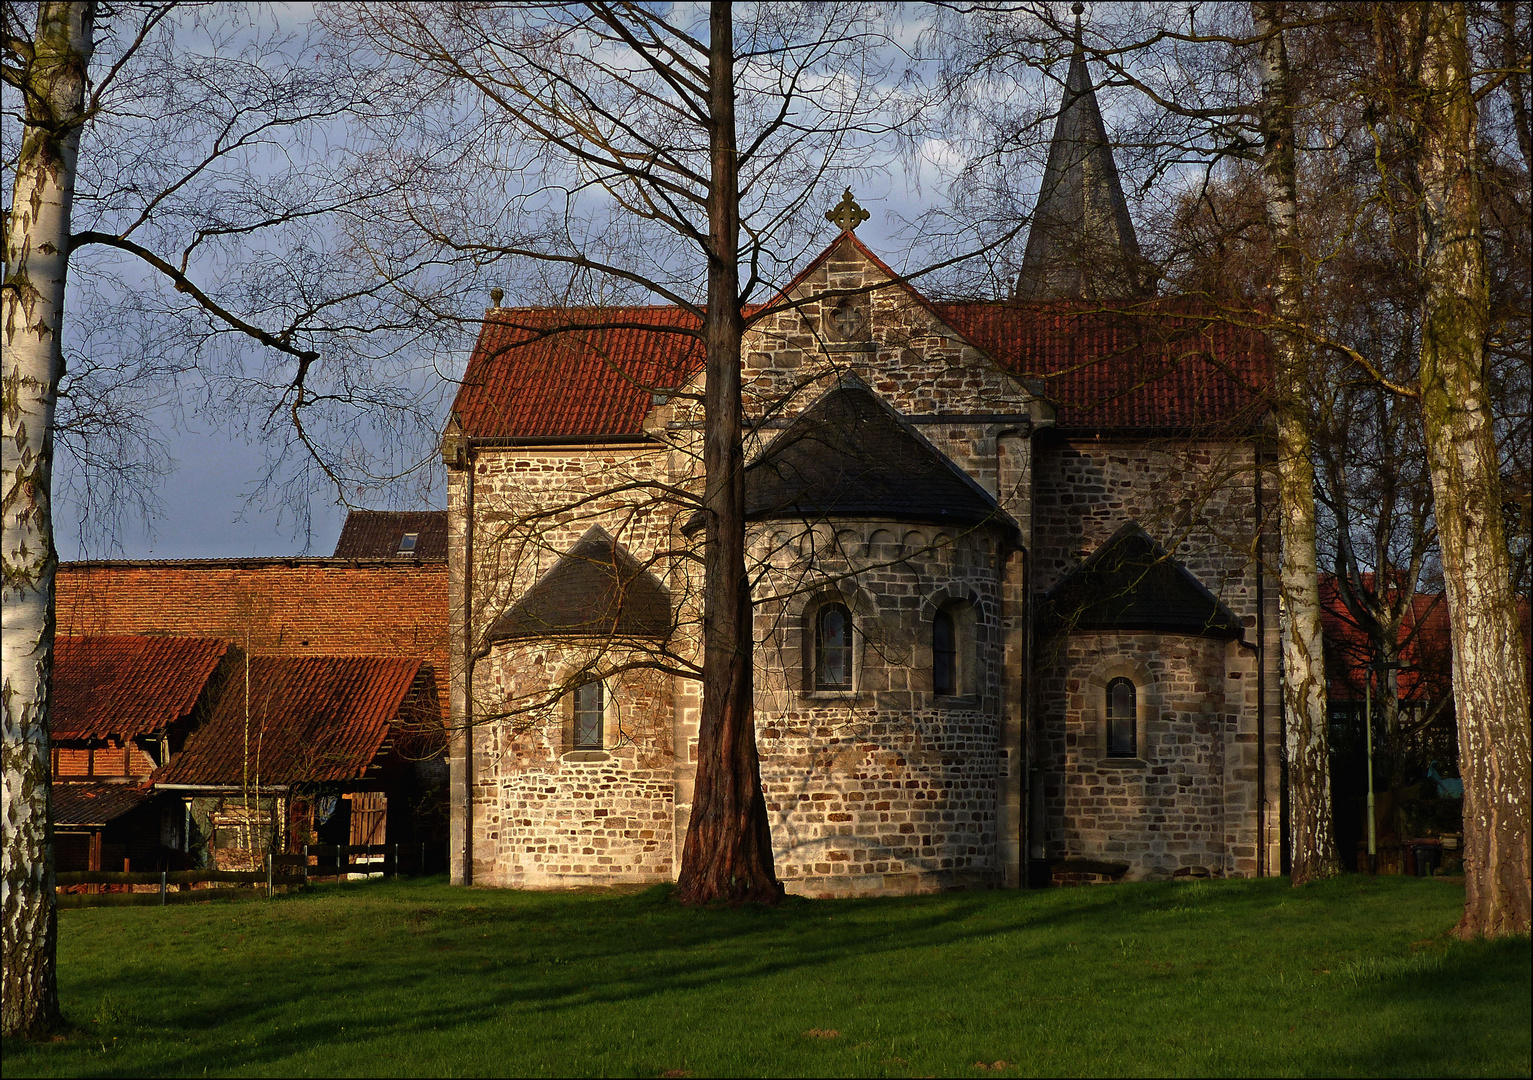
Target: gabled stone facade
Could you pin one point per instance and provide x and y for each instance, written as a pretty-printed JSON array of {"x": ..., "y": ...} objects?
[{"x": 881, "y": 784}]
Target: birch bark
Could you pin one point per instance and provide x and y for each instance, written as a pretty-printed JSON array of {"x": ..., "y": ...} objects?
[
  {"x": 37, "y": 244},
  {"x": 1312, "y": 833},
  {"x": 1490, "y": 661}
]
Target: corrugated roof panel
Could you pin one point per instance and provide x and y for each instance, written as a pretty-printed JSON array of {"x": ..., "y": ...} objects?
[
  {"x": 309, "y": 719},
  {"x": 128, "y": 684}
]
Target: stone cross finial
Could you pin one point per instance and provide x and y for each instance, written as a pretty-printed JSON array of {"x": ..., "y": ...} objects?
[{"x": 847, "y": 215}]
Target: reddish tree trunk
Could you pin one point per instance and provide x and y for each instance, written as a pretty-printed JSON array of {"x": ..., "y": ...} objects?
[{"x": 728, "y": 850}]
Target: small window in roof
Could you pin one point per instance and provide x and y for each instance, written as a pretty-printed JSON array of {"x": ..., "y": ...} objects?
[{"x": 407, "y": 542}]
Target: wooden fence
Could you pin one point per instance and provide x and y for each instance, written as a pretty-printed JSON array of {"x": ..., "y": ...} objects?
[{"x": 316, "y": 862}]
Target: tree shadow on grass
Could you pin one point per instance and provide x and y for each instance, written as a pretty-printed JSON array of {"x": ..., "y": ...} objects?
[{"x": 338, "y": 975}]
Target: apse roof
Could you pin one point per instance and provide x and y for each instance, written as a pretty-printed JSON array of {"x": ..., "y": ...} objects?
[
  {"x": 851, "y": 455},
  {"x": 1131, "y": 583},
  {"x": 596, "y": 589}
]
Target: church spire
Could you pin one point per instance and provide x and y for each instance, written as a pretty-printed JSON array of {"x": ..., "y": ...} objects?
[{"x": 1081, "y": 242}]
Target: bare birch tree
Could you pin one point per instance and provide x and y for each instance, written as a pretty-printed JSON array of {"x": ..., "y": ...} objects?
[
  {"x": 1490, "y": 663},
  {"x": 147, "y": 131}
]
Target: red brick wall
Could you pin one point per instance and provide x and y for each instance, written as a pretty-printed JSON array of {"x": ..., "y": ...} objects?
[{"x": 297, "y": 607}]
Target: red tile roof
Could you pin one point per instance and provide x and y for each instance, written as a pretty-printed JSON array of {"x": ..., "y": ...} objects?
[
  {"x": 128, "y": 685},
  {"x": 1160, "y": 365},
  {"x": 536, "y": 373},
  {"x": 96, "y": 804},
  {"x": 310, "y": 719}
]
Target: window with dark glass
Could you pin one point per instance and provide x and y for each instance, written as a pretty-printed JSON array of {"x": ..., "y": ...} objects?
[
  {"x": 944, "y": 654},
  {"x": 1122, "y": 716},
  {"x": 589, "y": 709},
  {"x": 833, "y": 648},
  {"x": 407, "y": 542}
]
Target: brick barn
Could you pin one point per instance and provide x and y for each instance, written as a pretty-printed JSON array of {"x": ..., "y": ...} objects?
[{"x": 1011, "y": 617}]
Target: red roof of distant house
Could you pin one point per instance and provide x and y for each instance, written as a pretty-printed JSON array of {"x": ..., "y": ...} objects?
[
  {"x": 1162, "y": 365},
  {"x": 127, "y": 685},
  {"x": 312, "y": 718},
  {"x": 1426, "y": 647}
]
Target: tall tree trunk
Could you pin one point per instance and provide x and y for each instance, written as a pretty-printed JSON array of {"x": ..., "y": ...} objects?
[
  {"x": 728, "y": 849},
  {"x": 31, "y": 323},
  {"x": 1490, "y": 672},
  {"x": 1312, "y": 832}
]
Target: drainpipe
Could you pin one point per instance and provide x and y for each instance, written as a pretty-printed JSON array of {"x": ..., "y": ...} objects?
[
  {"x": 468, "y": 671},
  {"x": 1262, "y": 813}
]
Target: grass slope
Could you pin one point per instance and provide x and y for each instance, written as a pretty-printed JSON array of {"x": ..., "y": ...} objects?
[{"x": 1354, "y": 977}]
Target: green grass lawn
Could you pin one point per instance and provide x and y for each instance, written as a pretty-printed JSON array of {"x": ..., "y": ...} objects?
[{"x": 1355, "y": 977}]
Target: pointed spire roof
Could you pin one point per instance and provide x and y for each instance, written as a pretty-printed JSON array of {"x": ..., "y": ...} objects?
[
  {"x": 1131, "y": 583},
  {"x": 851, "y": 455},
  {"x": 596, "y": 589},
  {"x": 1081, "y": 243}
]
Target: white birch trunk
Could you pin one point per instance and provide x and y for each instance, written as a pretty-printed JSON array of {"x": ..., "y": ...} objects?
[
  {"x": 31, "y": 323},
  {"x": 1490, "y": 662},
  {"x": 1312, "y": 833}
]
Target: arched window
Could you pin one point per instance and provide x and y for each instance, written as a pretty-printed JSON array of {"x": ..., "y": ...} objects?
[
  {"x": 944, "y": 654},
  {"x": 590, "y": 710},
  {"x": 833, "y": 648},
  {"x": 1122, "y": 719}
]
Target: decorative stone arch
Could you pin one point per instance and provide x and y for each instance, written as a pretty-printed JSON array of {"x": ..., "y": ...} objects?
[
  {"x": 802, "y": 621},
  {"x": 1094, "y": 713},
  {"x": 963, "y": 604},
  {"x": 567, "y": 675}
]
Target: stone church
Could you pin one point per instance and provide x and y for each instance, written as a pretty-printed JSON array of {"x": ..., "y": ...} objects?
[{"x": 1012, "y": 622}]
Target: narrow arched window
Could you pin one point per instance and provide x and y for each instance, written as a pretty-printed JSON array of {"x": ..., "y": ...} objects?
[
  {"x": 1122, "y": 719},
  {"x": 833, "y": 648},
  {"x": 590, "y": 709},
  {"x": 944, "y": 654}
]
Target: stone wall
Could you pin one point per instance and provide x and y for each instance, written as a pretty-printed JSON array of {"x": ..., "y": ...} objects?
[
  {"x": 886, "y": 787},
  {"x": 551, "y": 815},
  {"x": 1193, "y": 799}
]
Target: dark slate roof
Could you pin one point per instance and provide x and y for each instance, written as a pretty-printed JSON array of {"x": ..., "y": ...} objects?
[
  {"x": 95, "y": 804},
  {"x": 596, "y": 589},
  {"x": 851, "y": 455},
  {"x": 128, "y": 684},
  {"x": 1081, "y": 240},
  {"x": 311, "y": 718},
  {"x": 378, "y": 534},
  {"x": 1131, "y": 583}
]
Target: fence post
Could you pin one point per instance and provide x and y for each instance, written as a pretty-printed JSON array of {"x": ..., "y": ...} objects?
[
  {"x": 270, "y": 891},
  {"x": 162, "y": 888},
  {"x": 396, "y": 862}
]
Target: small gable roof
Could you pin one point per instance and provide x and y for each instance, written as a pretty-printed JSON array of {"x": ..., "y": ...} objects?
[
  {"x": 126, "y": 685},
  {"x": 596, "y": 589},
  {"x": 1131, "y": 583},
  {"x": 311, "y": 719},
  {"x": 378, "y": 534},
  {"x": 851, "y": 455}
]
